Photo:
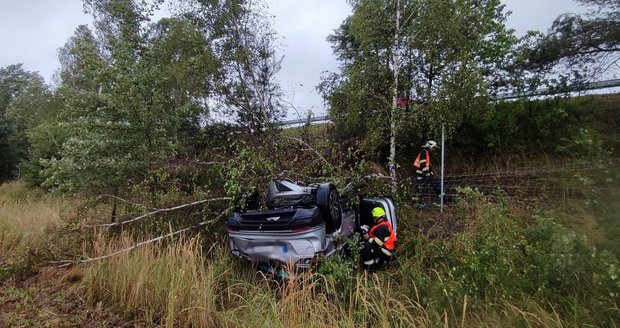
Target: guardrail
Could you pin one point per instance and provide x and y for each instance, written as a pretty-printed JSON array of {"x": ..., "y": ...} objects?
[
  {"x": 315, "y": 119},
  {"x": 502, "y": 96},
  {"x": 552, "y": 91}
]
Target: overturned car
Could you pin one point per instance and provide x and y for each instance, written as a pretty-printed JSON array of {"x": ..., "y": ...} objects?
[{"x": 300, "y": 223}]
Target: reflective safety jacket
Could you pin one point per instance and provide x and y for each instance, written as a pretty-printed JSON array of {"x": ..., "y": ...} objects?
[
  {"x": 423, "y": 164},
  {"x": 383, "y": 235}
]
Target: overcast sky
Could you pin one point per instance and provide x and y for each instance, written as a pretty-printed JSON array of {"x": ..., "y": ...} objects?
[{"x": 31, "y": 31}]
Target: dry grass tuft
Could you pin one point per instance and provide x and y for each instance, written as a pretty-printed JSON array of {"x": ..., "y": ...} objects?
[
  {"x": 169, "y": 285},
  {"x": 25, "y": 216}
]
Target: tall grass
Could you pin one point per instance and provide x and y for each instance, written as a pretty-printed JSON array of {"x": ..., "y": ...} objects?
[
  {"x": 497, "y": 270},
  {"x": 168, "y": 285},
  {"x": 183, "y": 285},
  {"x": 25, "y": 216}
]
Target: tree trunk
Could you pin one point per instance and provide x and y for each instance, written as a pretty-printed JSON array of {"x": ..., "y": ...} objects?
[
  {"x": 395, "y": 71},
  {"x": 113, "y": 215}
]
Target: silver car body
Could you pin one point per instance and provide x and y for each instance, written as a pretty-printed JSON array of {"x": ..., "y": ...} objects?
[{"x": 301, "y": 248}]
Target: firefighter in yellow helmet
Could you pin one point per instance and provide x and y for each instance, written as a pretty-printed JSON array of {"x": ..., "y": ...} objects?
[{"x": 379, "y": 241}]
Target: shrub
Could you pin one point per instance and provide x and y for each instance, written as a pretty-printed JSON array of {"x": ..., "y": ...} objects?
[{"x": 525, "y": 264}]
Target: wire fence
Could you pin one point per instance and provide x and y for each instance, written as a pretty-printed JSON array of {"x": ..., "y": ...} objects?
[{"x": 545, "y": 183}]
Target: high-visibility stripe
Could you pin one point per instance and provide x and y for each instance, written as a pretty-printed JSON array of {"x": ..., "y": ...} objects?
[
  {"x": 419, "y": 171},
  {"x": 369, "y": 262},
  {"x": 425, "y": 169},
  {"x": 416, "y": 163},
  {"x": 378, "y": 241},
  {"x": 419, "y": 161},
  {"x": 386, "y": 251},
  {"x": 390, "y": 243}
]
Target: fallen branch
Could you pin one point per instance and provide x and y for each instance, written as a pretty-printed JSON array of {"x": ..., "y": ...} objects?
[
  {"x": 161, "y": 210},
  {"x": 65, "y": 263},
  {"x": 378, "y": 176}
]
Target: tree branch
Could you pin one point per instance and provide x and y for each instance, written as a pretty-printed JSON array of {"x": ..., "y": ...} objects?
[
  {"x": 65, "y": 263},
  {"x": 162, "y": 210}
]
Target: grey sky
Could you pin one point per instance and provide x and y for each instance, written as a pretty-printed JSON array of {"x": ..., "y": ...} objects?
[{"x": 31, "y": 31}]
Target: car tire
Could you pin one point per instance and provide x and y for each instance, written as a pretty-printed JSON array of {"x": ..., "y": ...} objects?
[{"x": 328, "y": 201}]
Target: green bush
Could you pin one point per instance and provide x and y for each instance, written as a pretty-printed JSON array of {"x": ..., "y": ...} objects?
[
  {"x": 564, "y": 269},
  {"x": 560, "y": 125},
  {"x": 498, "y": 257}
]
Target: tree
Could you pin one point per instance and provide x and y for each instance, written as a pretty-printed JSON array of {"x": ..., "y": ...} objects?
[
  {"x": 80, "y": 60},
  {"x": 586, "y": 43},
  {"x": 439, "y": 56},
  {"x": 133, "y": 92},
  {"x": 136, "y": 95},
  {"x": 245, "y": 47},
  {"x": 23, "y": 96}
]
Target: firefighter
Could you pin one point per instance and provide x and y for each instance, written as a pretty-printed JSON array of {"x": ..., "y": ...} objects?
[
  {"x": 424, "y": 168},
  {"x": 379, "y": 241}
]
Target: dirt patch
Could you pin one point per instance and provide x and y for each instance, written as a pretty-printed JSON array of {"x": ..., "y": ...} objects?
[{"x": 52, "y": 298}]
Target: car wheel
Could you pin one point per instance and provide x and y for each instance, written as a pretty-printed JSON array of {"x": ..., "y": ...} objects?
[{"x": 328, "y": 201}]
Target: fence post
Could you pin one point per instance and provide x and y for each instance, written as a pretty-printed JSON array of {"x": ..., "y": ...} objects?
[{"x": 443, "y": 149}]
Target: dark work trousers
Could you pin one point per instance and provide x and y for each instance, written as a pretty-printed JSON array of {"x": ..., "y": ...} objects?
[{"x": 372, "y": 257}]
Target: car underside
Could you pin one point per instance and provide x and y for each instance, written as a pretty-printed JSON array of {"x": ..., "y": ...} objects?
[{"x": 298, "y": 223}]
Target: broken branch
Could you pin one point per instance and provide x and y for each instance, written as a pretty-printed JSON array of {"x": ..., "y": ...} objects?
[{"x": 161, "y": 210}]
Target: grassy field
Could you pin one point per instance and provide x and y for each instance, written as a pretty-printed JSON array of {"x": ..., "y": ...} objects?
[
  {"x": 25, "y": 215},
  {"x": 27, "y": 219},
  {"x": 484, "y": 264},
  {"x": 527, "y": 241}
]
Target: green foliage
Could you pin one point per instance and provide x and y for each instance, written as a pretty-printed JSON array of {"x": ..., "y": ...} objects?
[
  {"x": 244, "y": 43},
  {"x": 582, "y": 43},
  {"x": 136, "y": 97},
  {"x": 499, "y": 256},
  {"x": 248, "y": 169},
  {"x": 565, "y": 126},
  {"x": 441, "y": 66},
  {"x": 564, "y": 265},
  {"x": 339, "y": 276},
  {"x": 129, "y": 108},
  {"x": 24, "y": 102},
  {"x": 585, "y": 141},
  {"x": 46, "y": 140}
]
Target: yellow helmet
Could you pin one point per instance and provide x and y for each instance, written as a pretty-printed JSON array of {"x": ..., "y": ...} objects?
[{"x": 378, "y": 212}]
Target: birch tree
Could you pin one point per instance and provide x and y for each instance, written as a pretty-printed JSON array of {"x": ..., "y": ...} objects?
[
  {"x": 245, "y": 45},
  {"x": 437, "y": 58}
]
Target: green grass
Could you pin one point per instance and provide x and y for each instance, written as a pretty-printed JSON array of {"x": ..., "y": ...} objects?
[
  {"x": 482, "y": 264},
  {"x": 497, "y": 270},
  {"x": 183, "y": 285}
]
